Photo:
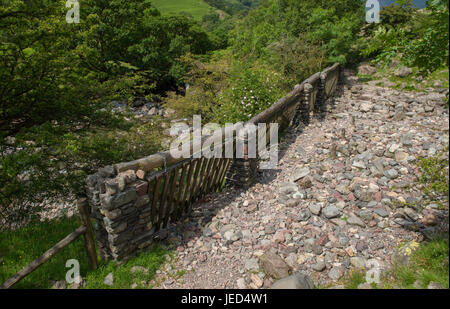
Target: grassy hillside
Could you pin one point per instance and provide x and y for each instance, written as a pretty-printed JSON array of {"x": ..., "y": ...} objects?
[{"x": 196, "y": 8}]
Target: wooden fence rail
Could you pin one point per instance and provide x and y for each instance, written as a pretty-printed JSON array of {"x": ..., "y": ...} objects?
[
  {"x": 85, "y": 229},
  {"x": 127, "y": 217}
]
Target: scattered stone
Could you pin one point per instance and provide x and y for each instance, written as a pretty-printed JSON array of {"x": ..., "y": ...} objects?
[
  {"x": 391, "y": 174},
  {"x": 241, "y": 283},
  {"x": 366, "y": 106},
  {"x": 366, "y": 69},
  {"x": 274, "y": 265},
  {"x": 331, "y": 212},
  {"x": 251, "y": 265},
  {"x": 256, "y": 280},
  {"x": 404, "y": 72},
  {"x": 435, "y": 286},
  {"x": 429, "y": 220},
  {"x": 335, "y": 273},
  {"x": 365, "y": 286},
  {"x": 354, "y": 220},
  {"x": 109, "y": 279},
  {"x": 58, "y": 285},
  {"x": 358, "y": 262},
  {"x": 315, "y": 209},
  {"x": 137, "y": 269},
  {"x": 300, "y": 173},
  {"x": 400, "y": 156},
  {"x": 296, "y": 281},
  {"x": 381, "y": 212},
  {"x": 304, "y": 215},
  {"x": 320, "y": 266}
]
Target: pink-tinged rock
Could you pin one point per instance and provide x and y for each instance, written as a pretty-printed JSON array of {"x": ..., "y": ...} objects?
[
  {"x": 140, "y": 174},
  {"x": 372, "y": 223},
  {"x": 141, "y": 187},
  {"x": 351, "y": 197},
  {"x": 279, "y": 236},
  {"x": 322, "y": 240},
  {"x": 338, "y": 196},
  {"x": 377, "y": 196},
  {"x": 129, "y": 176},
  {"x": 339, "y": 167},
  {"x": 319, "y": 185},
  {"x": 331, "y": 237}
]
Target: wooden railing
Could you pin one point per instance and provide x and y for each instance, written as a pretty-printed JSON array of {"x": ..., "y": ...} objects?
[
  {"x": 85, "y": 229},
  {"x": 174, "y": 184}
]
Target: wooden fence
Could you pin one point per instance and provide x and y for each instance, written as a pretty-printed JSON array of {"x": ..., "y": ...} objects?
[
  {"x": 173, "y": 184},
  {"x": 85, "y": 229}
]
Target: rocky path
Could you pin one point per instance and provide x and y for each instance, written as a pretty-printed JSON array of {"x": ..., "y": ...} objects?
[{"x": 337, "y": 201}]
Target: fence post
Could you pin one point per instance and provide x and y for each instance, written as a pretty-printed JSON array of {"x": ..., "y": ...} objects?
[
  {"x": 319, "y": 107},
  {"x": 305, "y": 109},
  {"x": 89, "y": 244},
  {"x": 243, "y": 171}
]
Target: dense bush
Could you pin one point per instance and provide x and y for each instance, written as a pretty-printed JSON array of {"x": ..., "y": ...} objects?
[
  {"x": 49, "y": 68},
  {"x": 325, "y": 28},
  {"x": 418, "y": 38},
  {"x": 206, "y": 83},
  {"x": 56, "y": 80},
  {"x": 252, "y": 90}
]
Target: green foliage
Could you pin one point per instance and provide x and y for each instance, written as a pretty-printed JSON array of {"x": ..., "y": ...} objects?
[
  {"x": 252, "y": 91},
  {"x": 329, "y": 25},
  {"x": 230, "y": 6},
  {"x": 206, "y": 82},
  {"x": 21, "y": 247},
  {"x": 37, "y": 71},
  {"x": 295, "y": 60},
  {"x": 123, "y": 278},
  {"x": 419, "y": 38},
  {"x": 50, "y": 69},
  {"x": 56, "y": 77},
  {"x": 136, "y": 34},
  {"x": 435, "y": 174},
  {"x": 428, "y": 263},
  {"x": 397, "y": 14},
  {"x": 55, "y": 157},
  {"x": 354, "y": 279},
  {"x": 430, "y": 51}
]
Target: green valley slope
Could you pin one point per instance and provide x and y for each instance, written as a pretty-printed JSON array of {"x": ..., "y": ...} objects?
[{"x": 197, "y": 8}]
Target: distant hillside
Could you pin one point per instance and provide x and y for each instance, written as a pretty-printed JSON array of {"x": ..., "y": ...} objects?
[
  {"x": 197, "y": 8},
  {"x": 418, "y": 3}
]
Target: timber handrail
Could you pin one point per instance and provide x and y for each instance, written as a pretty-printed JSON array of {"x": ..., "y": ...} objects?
[{"x": 85, "y": 229}]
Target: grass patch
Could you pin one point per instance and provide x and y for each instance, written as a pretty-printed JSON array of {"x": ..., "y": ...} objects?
[
  {"x": 19, "y": 248},
  {"x": 435, "y": 174},
  {"x": 409, "y": 83},
  {"x": 428, "y": 263},
  {"x": 123, "y": 278},
  {"x": 354, "y": 278}
]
